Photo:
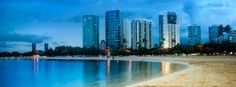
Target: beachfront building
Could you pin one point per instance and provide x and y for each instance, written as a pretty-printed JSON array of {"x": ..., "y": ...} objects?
[
  {"x": 194, "y": 35},
  {"x": 90, "y": 31},
  {"x": 114, "y": 29},
  {"x": 126, "y": 34},
  {"x": 213, "y": 34},
  {"x": 233, "y": 36},
  {"x": 46, "y": 46},
  {"x": 141, "y": 34},
  {"x": 34, "y": 47},
  {"x": 169, "y": 30}
]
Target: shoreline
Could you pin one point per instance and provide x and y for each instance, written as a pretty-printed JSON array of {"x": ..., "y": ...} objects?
[
  {"x": 201, "y": 71},
  {"x": 217, "y": 71}
]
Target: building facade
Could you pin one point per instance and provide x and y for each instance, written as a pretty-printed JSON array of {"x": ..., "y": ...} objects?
[
  {"x": 114, "y": 29},
  {"x": 194, "y": 35},
  {"x": 233, "y": 36},
  {"x": 46, "y": 46},
  {"x": 126, "y": 34},
  {"x": 34, "y": 47},
  {"x": 90, "y": 31},
  {"x": 169, "y": 30},
  {"x": 213, "y": 34},
  {"x": 141, "y": 34}
]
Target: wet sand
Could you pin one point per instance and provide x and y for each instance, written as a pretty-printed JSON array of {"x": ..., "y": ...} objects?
[{"x": 203, "y": 71}]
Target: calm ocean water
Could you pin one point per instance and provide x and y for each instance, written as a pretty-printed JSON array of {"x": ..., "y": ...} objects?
[{"x": 80, "y": 73}]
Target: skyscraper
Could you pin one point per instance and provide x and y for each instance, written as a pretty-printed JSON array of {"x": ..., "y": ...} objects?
[
  {"x": 126, "y": 34},
  {"x": 194, "y": 35},
  {"x": 169, "y": 30},
  {"x": 233, "y": 36},
  {"x": 114, "y": 31},
  {"x": 34, "y": 47},
  {"x": 90, "y": 31},
  {"x": 141, "y": 34},
  {"x": 213, "y": 34},
  {"x": 46, "y": 46}
]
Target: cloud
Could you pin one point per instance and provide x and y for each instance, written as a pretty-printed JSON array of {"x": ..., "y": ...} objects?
[
  {"x": 215, "y": 5},
  {"x": 22, "y": 38}
]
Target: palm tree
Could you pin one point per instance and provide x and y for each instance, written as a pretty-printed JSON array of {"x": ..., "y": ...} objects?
[
  {"x": 227, "y": 29},
  {"x": 220, "y": 33},
  {"x": 145, "y": 41},
  {"x": 125, "y": 41},
  {"x": 173, "y": 40},
  {"x": 138, "y": 45}
]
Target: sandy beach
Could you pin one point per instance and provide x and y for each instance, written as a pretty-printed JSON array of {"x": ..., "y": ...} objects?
[{"x": 204, "y": 71}]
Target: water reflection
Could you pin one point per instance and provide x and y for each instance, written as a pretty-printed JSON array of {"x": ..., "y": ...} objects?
[
  {"x": 81, "y": 73},
  {"x": 129, "y": 75},
  {"x": 35, "y": 66},
  {"x": 165, "y": 68}
]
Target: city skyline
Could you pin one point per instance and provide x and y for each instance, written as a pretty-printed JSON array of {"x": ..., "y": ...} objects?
[{"x": 59, "y": 23}]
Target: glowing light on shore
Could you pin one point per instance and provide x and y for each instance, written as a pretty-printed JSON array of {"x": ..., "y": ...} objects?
[
  {"x": 165, "y": 68},
  {"x": 35, "y": 56}
]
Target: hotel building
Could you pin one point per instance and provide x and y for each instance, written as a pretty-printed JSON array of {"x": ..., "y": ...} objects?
[
  {"x": 114, "y": 29},
  {"x": 90, "y": 31},
  {"x": 141, "y": 34},
  {"x": 194, "y": 35},
  {"x": 169, "y": 30}
]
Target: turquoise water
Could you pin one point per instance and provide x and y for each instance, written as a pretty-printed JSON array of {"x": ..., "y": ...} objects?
[{"x": 79, "y": 73}]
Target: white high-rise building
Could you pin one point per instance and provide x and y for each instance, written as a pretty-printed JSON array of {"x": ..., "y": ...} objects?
[
  {"x": 169, "y": 30},
  {"x": 126, "y": 34},
  {"x": 141, "y": 34}
]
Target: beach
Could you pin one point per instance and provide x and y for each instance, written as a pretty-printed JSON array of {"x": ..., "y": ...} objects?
[{"x": 203, "y": 71}]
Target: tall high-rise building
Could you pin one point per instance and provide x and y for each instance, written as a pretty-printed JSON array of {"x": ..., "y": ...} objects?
[
  {"x": 169, "y": 30},
  {"x": 194, "y": 35},
  {"x": 46, "y": 46},
  {"x": 114, "y": 29},
  {"x": 141, "y": 34},
  {"x": 90, "y": 31},
  {"x": 213, "y": 34},
  {"x": 34, "y": 47},
  {"x": 126, "y": 34},
  {"x": 233, "y": 36}
]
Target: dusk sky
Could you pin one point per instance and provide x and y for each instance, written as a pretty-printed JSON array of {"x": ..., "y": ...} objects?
[{"x": 58, "y": 22}]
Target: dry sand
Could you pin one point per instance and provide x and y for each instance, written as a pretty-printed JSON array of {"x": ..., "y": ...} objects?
[{"x": 203, "y": 71}]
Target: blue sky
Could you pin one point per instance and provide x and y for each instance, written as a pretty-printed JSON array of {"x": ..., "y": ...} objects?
[{"x": 58, "y": 22}]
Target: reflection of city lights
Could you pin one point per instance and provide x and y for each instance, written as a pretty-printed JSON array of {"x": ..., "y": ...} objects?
[
  {"x": 108, "y": 67},
  {"x": 165, "y": 68},
  {"x": 129, "y": 65},
  {"x": 35, "y": 66},
  {"x": 35, "y": 56},
  {"x": 129, "y": 74},
  {"x": 108, "y": 70}
]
